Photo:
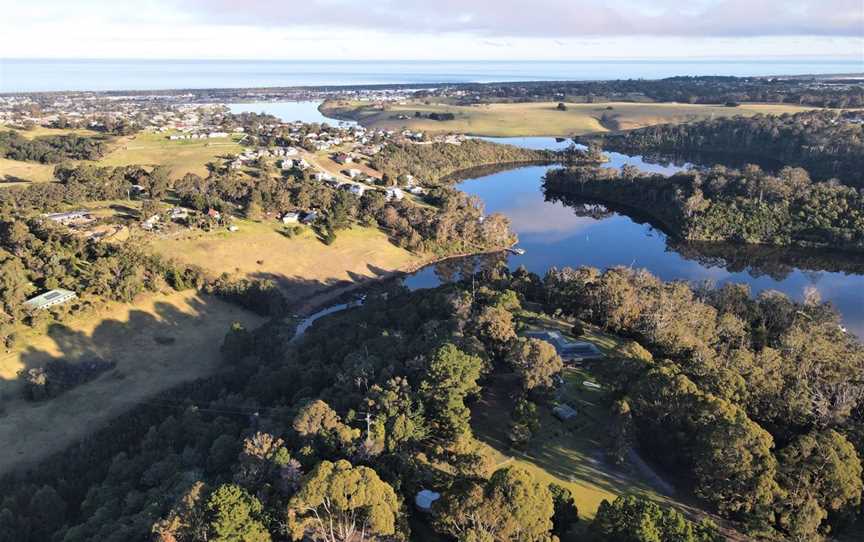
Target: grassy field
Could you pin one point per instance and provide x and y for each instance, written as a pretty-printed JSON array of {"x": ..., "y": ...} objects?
[
  {"x": 572, "y": 458},
  {"x": 39, "y": 131},
  {"x": 15, "y": 172},
  {"x": 302, "y": 265},
  {"x": 542, "y": 118},
  {"x": 158, "y": 342},
  {"x": 182, "y": 156}
]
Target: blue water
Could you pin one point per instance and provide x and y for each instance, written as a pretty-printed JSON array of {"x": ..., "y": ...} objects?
[
  {"x": 29, "y": 75},
  {"x": 552, "y": 234},
  {"x": 304, "y": 111}
]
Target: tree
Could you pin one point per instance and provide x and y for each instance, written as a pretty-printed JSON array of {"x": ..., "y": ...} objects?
[
  {"x": 235, "y": 516},
  {"x": 537, "y": 362},
  {"x": 511, "y": 505},
  {"x": 14, "y": 286},
  {"x": 561, "y": 106},
  {"x": 47, "y": 512},
  {"x": 159, "y": 182},
  {"x": 338, "y": 502},
  {"x": 254, "y": 206},
  {"x": 186, "y": 520},
  {"x": 495, "y": 326},
  {"x": 566, "y": 512},
  {"x": 634, "y": 519},
  {"x": 820, "y": 473},
  {"x": 450, "y": 377},
  {"x": 396, "y": 413},
  {"x": 317, "y": 419}
]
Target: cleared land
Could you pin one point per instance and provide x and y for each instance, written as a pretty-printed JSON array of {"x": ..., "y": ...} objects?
[
  {"x": 157, "y": 342},
  {"x": 302, "y": 265},
  {"x": 570, "y": 454},
  {"x": 39, "y": 131},
  {"x": 540, "y": 118},
  {"x": 15, "y": 172},
  {"x": 182, "y": 156}
]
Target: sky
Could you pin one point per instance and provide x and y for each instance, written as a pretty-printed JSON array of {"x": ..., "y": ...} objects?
[{"x": 432, "y": 29}]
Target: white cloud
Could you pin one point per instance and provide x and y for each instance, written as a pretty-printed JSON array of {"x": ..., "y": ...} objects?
[{"x": 445, "y": 29}]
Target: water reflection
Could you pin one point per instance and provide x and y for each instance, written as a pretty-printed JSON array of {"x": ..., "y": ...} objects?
[
  {"x": 306, "y": 111},
  {"x": 571, "y": 233}
]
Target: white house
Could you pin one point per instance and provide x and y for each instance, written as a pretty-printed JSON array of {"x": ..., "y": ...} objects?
[
  {"x": 394, "y": 193},
  {"x": 290, "y": 218}
]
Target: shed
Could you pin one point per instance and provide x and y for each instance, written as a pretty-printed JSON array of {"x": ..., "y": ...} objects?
[{"x": 50, "y": 299}]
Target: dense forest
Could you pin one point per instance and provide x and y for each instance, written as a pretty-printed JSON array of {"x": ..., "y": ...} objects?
[
  {"x": 433, "y": 162},
  {"x": 329, "y": 438},
  {"x": 828, "y": 144},
  {"x": 720, "y": 204},
  {"x": 686, "y": 89},
  {"x": 50, "y": 149}
]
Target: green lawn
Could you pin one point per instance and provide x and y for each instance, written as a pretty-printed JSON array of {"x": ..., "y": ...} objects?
[
  {"x": 182, "y": 156},
  {"x": 539, "y": 118}
]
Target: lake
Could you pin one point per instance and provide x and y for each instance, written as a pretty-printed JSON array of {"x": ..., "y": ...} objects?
[
  {"x": 304, "y": 111},
  {"x": 554, "y": 234},
  {"x": 38, "y": 75}
]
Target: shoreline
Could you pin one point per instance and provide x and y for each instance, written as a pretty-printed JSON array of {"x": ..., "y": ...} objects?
[{"x": 318, "y": 301}]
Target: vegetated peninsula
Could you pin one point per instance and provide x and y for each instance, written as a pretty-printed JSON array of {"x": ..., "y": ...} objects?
[
  {"x": 720, "y": 204},
  {"x": 827, "y": 143}
]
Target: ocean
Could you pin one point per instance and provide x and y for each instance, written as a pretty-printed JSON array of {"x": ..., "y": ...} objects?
[{"x": 28, "y": 75}]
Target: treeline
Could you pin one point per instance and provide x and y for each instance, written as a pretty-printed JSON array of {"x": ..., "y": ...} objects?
[
  {"x": 329, "y": 439},
  {"x": 757, "y": 404},
  {"x": 686, "y": 89},
  {"x": 431, "y": 163},
  {"x": 50, "y": 149},
  {"x": 826, "y": 143},
  {"x": 83, "y": 183},
  {"x": 720, "y": 204}
]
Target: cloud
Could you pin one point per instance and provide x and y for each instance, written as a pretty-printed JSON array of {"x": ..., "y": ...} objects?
[{"x": 548, "y": 18}]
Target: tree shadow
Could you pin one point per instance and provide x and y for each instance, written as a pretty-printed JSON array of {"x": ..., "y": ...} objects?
[{"x": 115, "y": 340}]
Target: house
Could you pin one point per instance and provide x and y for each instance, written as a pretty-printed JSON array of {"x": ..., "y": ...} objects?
[
  {"x": 50, "y": 299},
  {"x": 150, "y": 223},
  {"x": 568, "y": 350},
  {"x": 71, "y": 218},
  {"x": 357, "y": 190},
  {"x": 214, "y": 214},
  {"x": 417, "y": 190},
  {"x": 309, "y": 217},
  {"x": 179, "y": 213},
  {"x": 564, "y": 412},
  {"x": 353, "y": 173},
  {"x": 425, "y": 498},
  {"x": 342, "y": 158},
  {"x": 394, "y": 193},
  {"x": 290, "y": 218},
  {"x": 233, "y": 228}
]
